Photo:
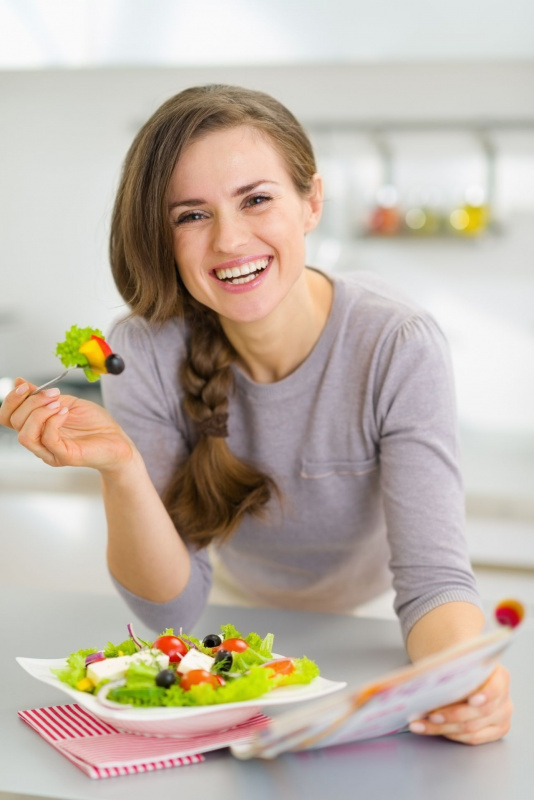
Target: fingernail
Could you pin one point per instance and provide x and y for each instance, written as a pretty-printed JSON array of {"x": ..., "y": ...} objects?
[
  {"x": 437, "y": 718},
  {"x": 477, "y": 700},
  {"x": 417, "y": 727},
  {"x": 22, "y": 389},
  {"x": 51, "y": 392},
  {"x": 55, "y": 404},
  {"x": 64, "y": 410}
]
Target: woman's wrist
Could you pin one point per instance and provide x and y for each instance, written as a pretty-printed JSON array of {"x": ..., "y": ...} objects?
[{"x": 125, "y": 467}]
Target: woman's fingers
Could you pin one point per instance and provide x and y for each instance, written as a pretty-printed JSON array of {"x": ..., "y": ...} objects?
[
  {"x": 31, "y": 434},
  {"x": 484, "y": 717},
  {"x": 13, "y": 400}
]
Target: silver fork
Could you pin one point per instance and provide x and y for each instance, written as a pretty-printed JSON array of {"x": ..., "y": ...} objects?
[{"x": 53, "y": 381}]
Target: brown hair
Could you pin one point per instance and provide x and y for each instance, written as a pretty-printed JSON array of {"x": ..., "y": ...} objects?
[{"x": 212, "y": 490}]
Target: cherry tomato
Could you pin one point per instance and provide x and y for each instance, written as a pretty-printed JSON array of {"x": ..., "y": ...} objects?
[
  {"x": 233, "y": 645},
  {"x": 282, "y": 667},
  {"x": 172, "y": 647},
  {"x": 197, "y": 676}
]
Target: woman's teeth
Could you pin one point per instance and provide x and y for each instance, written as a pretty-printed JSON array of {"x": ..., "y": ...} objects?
[{"x": 244, "y": 273}]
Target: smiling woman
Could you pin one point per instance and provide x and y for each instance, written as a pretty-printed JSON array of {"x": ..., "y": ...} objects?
[{"x": 304, "y": 425}]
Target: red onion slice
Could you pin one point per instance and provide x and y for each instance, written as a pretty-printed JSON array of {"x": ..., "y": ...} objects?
[
  {"x": 94, "y": 657},
  {"x": 102, "y": 695},
  {"x": 133, "y": 637},
  {"x": 189, "y": 643}
]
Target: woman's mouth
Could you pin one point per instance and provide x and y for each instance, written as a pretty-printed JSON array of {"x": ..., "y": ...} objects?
[{"x": 244, "y": 273}]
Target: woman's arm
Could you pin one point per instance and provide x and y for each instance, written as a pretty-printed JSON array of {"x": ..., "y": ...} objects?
[
  {"x": 486, "y": 715},
  {"x": 163, "y": 582},
  {"x": 145, "y": 554},
  {"x": 444, "y": 626}
]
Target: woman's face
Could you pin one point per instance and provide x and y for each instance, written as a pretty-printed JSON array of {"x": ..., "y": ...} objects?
[{"x": 238, "y": 223}]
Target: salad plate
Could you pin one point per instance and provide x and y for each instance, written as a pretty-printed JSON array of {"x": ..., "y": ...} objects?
[{"x": 179, "y": 722}]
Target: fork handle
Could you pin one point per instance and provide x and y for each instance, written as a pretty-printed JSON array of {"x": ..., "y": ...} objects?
[{"x": 53, "y": 381}]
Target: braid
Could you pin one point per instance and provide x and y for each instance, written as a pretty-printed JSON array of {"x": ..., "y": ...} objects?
[{"x": 213, "y": 490}]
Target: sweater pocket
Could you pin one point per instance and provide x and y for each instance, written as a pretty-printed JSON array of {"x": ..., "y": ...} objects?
[{"x": 315, "y": 470}]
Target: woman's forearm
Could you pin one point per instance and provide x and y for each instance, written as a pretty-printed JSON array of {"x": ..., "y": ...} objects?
[
  {"x": 145, "y": 553},
  {"x": 444, "y": 626}
]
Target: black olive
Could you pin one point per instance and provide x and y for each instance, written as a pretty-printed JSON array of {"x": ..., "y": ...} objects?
[
  {"x": 224, "y": 659},
  {"x": 211, "y": 640},
  {"x": 114, "y": 364},
  {"x": 165, "y": 678}
]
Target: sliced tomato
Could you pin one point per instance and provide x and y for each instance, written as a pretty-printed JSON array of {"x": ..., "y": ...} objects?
[
  {"x": 233, "y": 645},
  {"x": 284, "y": 666},
  {"x": 172, "y": 646},
  {"x": 195, "y": 677}
]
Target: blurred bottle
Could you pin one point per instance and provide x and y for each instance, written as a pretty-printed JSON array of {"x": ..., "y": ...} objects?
[
  {"x": 472, "y": 217},
  {"x": 385, "y": 219}
]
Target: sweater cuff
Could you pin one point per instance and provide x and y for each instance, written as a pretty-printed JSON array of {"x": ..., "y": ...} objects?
[{"x": 412, "y": 613}]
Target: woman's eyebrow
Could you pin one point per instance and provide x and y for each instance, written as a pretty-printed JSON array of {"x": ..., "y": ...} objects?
[{"x": 249, "y": 187}]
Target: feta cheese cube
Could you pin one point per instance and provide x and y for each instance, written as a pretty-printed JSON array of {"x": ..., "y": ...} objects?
[
  {"x": 111, "y": 669},
  {"x": 194, "y": 659},
  {"x": 114, "y": 669}
]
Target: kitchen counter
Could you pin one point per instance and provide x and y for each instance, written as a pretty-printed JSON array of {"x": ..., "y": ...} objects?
[{"x": 45, "y": 623}]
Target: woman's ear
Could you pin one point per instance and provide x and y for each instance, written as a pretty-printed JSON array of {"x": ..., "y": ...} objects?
[{"x": 315, "y": 204}]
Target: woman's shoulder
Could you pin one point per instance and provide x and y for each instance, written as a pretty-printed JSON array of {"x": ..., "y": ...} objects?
[
  {"x": 139, "y": 337},
  {"x": 373, "y": 293},
  {"x": 377, "y": 312}
]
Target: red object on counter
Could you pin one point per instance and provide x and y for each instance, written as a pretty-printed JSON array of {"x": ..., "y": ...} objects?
[{"x": 509, "y": 613}]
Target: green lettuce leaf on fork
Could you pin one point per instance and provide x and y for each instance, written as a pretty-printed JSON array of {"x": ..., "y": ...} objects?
[{"x": 68, "y": 351}]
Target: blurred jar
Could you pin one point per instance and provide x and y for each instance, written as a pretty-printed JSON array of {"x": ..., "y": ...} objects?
[
  {"x": 472, "y": 217},
  {"x": 385, "y": 219}
]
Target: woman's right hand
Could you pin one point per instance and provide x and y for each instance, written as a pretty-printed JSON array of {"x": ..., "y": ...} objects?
[{"x": 64, "y": 430}]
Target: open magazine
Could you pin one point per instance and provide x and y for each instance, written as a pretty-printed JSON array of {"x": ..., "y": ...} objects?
[{"x": 384, "y": 706}]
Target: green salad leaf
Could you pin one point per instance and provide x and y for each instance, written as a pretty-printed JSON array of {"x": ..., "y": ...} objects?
[
  {"x": 75, "y": 669},
  {"x": 68, "y": 351}
]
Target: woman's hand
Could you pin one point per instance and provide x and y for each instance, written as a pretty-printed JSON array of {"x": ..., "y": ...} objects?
[
  {"x": 65, "y": 431},
  {"x": 484, "y": 717}
]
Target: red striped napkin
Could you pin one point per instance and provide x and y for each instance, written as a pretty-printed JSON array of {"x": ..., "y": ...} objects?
[{"x": 101, "y": 751}]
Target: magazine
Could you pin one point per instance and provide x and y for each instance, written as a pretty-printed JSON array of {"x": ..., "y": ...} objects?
[{"x": 384, "y": 706}]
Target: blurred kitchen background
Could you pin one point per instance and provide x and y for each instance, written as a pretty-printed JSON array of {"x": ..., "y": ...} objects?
[{"x": 422, "y": 115}]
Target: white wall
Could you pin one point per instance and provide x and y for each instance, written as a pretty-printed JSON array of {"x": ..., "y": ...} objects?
[{"x": 178, "y": 32}]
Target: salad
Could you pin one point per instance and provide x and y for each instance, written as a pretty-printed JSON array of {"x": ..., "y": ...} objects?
[
  {"x": 87, "y": 348},
  {"x": 180, "y": 670}
]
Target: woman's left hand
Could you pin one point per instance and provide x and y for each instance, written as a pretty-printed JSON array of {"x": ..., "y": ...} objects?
[{"x": 484, "y": 717}]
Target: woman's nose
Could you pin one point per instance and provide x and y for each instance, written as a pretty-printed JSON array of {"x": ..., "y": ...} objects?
[{"x": 230, "y": 232}]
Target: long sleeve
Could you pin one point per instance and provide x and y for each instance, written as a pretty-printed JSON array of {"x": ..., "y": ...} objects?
[{"x": 421, "y": 480}]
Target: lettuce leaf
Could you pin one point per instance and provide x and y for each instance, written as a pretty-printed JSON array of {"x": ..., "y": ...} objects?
[
  {"x": 248, "y": 687},
  {"x": 68, "y": 351},
  {"x": 126, "y": 648},
  {"x": 75, "y": 669},
  {"x": 305, "y": 671}
]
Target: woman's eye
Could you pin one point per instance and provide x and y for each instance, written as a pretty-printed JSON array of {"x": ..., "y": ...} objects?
[
  {"x": 257, "y": 200},
  {"x": 193, "y": 216}
]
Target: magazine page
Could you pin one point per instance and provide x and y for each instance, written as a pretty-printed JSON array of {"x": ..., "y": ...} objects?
[{"x": 385, "y": 706}]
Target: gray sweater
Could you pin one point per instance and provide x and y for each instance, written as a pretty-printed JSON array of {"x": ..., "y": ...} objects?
[{"x": 362, "y": 441}]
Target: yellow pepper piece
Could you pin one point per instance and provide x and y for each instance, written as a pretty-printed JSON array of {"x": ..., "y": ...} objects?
[
  {"x": 96, "y": 358},
  {"x": 85, "y": 685}
]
